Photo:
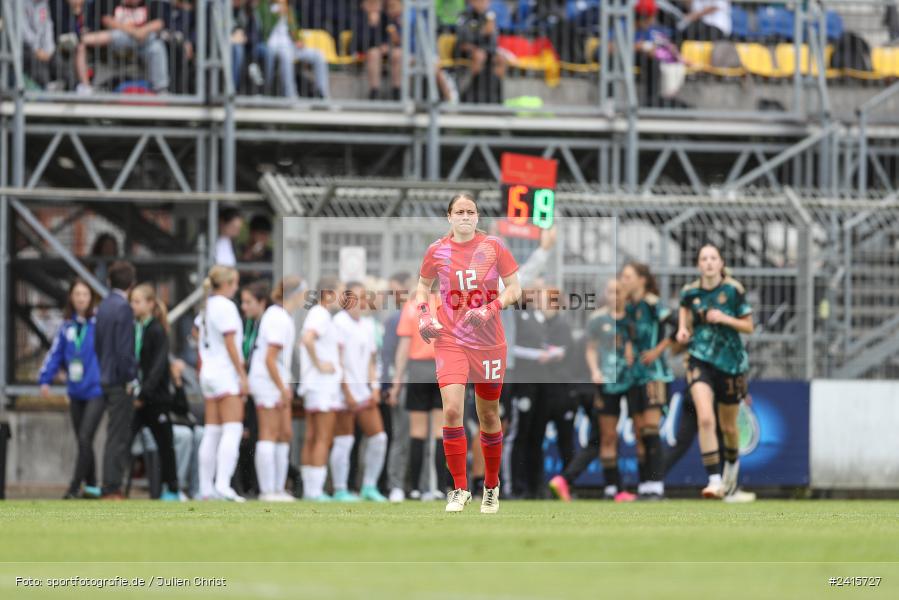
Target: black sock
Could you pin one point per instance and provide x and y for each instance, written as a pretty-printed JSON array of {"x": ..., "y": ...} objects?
[
  {"x": 610, "y": 472},
  {"x": 731, "y": 454},
  {"x": 653, "y": 446},
  {"x": 373, "y": 94},
  {"x": 641, "y": 468},
  {"x": 712, "y": 462},
  {"x": 395, "y": 93},
  {"x": 416, "y": 457},
  {"x": 440, "y": 465}
]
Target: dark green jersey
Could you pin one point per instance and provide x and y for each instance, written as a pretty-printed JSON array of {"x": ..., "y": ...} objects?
[
  {"x": 611, "y": 339},
  {"x": 718, "y": 345},
  {"x": 646, "y": 320}
]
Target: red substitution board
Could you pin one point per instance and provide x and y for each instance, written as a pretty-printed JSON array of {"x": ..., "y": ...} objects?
[{"x": 528, "y": 189}]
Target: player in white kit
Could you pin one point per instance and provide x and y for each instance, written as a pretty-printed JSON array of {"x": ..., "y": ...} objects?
[
  {"x": 360, "y": 396},
  {"x": 223, "y": 382},
  {"x": 271, "y": 388},
  {"x": 320, "y": 377}
]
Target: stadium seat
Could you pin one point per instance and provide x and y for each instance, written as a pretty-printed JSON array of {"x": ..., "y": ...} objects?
[
  {"x": 591, "y": 48},
  {"x": 786, "y": 60},
  {"x": 739, "y": 23},
  {"x": 757, "y": 59},
  {"x": 322, "y": 41},
  {"x": 575, "y": 7},
  {"x": 773, "y": 23},
  {"x": 833, "y": 25},
  {"x": 885, "y": 61},
  {"x": 699, "y": 60},
  {"x": 503, "y": 16},
  {"x": 346, "y": 43},
  {"x": 446, "y": 47}
]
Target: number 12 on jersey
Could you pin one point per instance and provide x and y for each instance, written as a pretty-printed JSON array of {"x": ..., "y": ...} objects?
[
  {"x": 491, "y": 368},
  {"x": 466, "y": 279}
]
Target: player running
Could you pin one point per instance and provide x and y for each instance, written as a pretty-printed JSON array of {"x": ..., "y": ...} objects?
[
  {"x": 470, "y": 343},
  {"x": 270, "y": 384},
  {"x": 713, "y": 314},
  {"x": 360, "y": 397},
  {"x": 646, "y": 315}
]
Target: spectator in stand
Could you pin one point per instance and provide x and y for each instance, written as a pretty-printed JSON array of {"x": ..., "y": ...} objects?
[
  {"x": 180, "y": 34},
  {"x": 708, "y": 20},
  {"x": 278, "y": 23},
  {"x": 477, "y": 41},
  {"x": 448, "y": 12},
  {"x": 394, "y": 31},
  {"x": 230, "y": 224},
  {"x": 73, "y": 350},
  {"x": 74, "y": 18},
  {"x": 154, "y": 399},
  {"x": 38, "y": 45},
  {"x": 653, "y": 49},
  {"x": 245, "y": 40},
  {"x": 372, "y": 39},
  {"x": 118, "y": 374},
  {"x": 891, "y": 20},
  {"x": 132, "y": 25}
]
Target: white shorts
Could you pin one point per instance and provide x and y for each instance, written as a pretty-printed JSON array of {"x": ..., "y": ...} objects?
[
  {"x": 266, "y": 400},
  {"x": 316, "y": 401},
  {"x": 360, "y": 405},
  {"x": 215, "y": 385}
]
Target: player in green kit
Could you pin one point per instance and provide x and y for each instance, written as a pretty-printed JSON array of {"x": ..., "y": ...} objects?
[
  {"x": 608, "y": 357},
  {"x": 713, "y": 314},
  {"x": 647, "y": 317}
]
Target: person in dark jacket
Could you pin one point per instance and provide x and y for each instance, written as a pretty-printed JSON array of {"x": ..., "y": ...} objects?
[
  {"x": 114, "y": 343},
  {"x": 73, "y": 351},
  {"x": 154, "y": 397}
]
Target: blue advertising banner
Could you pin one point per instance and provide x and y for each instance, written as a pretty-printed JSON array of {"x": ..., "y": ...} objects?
[{"x": 774, "y": 440}]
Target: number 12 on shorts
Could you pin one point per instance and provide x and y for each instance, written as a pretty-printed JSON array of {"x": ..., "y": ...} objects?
[{"x": 491, "y": 368}]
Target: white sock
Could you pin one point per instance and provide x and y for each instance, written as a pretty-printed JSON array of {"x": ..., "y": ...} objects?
[
  {"x": 340, "y": 461},
  {"x": 206, "y": 454},
  {"x": 265, "y": 466},
  {"x": 714, "y": 479},
  {"x": 282, "y": 463},
  {"x": 610, "y": 490},
  {"x": 375, "y": 453},
  {"x": 229, "y": 451},
  {"x": 307, "y": 480},
  {"x": 317, "y": 476}
]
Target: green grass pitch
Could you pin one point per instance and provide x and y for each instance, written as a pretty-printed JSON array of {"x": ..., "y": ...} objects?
[{"x": 588, "y": 549}]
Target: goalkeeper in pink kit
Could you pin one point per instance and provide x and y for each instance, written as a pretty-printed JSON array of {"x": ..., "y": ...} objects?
[{"x": 470, "y": 343}]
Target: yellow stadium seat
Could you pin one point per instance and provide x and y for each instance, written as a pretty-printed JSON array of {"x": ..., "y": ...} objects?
[
  {"x": 346, "y": 44},
  {"x": 591, "y": 49},
  {"x": 698, "y": 56},
  {"x": 757, "y": 59},
  {"x": 322, "y": 41},
  {"x": 885, "y": 61},
  {"x": 786, "y": 60},
  {"x": 446, "y": 48}
]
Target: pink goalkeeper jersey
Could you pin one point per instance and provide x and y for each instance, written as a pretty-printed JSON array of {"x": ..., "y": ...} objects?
[{"x": 468, "y": 276}]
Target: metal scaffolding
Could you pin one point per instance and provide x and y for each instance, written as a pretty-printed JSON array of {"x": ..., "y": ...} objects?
[{"x": 192, "y": 151}]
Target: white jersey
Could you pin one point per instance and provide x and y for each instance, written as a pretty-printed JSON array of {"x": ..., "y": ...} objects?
[
  {"x": 721, "y": 18},
  {"x": 276, "y": 328},
  {"x": 224, "y": 252},
  {"x": 219, "y": 318},
  {"x": 358, "y": 343},
  {"x": 321, "y": 322}
]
